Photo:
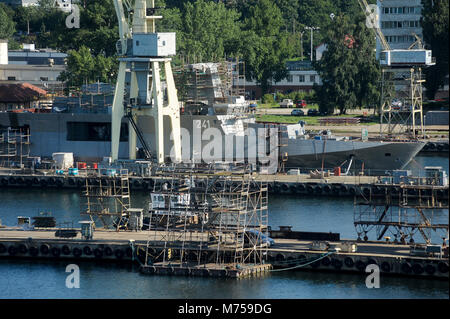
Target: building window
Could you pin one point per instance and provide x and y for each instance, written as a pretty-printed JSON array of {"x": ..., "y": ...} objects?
[
  {"x": 11, "y": 78},
  {"x": 289, "y": 78},
  {"x": 44, "y": 78},
  {"x": 312, "y": 78},
  {"x": 301, "y": 78},
  {"x": 94, "y": 131}
]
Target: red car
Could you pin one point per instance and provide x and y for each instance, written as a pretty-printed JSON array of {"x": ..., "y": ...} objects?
[{"x": 300, "y": 104}]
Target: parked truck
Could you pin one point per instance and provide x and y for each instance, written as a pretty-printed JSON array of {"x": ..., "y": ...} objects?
[{"x": 287, "y": 103}]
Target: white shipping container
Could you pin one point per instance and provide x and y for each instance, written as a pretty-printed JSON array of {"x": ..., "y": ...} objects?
[{"x": 63, "y": 160}]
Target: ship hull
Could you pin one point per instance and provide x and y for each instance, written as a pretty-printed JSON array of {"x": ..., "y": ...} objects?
[
  {"x": 50, "y": 134},
  {"x": 370, "y": 155}
]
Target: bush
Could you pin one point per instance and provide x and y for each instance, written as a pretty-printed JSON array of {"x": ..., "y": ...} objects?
[{"x": 268, "y": 99}]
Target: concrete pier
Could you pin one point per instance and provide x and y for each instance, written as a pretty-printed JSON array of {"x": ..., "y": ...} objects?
[{"x": 393, "y": 259}]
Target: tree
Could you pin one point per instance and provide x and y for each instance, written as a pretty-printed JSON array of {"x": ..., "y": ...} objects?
[
  {"x": 7, "y": 25},
  {"x": 349, "y": 71},
  {"x": 80, "y": 67},
  {"x": 435, "y": 24},
  {"x": 209, "y": 31},
  {"x": 265, "y": 47}
]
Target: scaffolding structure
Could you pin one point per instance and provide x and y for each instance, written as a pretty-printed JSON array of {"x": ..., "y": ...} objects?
[
  {"x": 204, "y": 217},
  {"x": 14, "y": 146},
  {"x": 209, "y": 83},
  {"x": 107, "y": 199},
  {"x": 401, "y": 102},
  {"x": 420, "y": 208}
]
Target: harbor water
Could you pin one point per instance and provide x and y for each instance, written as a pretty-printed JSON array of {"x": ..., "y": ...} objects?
[{"x": 46, "y": 279}]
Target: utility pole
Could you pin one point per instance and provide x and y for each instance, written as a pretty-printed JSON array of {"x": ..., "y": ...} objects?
[
  {"x": 301, "y": 44},
  {"x": 312, "y": 38}
]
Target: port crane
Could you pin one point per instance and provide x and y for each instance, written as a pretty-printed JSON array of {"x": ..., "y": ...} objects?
[
  {"x": 139, "y": 87},
  {"x": 401, "y": 77}
]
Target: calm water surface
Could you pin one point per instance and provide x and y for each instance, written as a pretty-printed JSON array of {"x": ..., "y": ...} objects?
[{"x": 43, "y": 279}]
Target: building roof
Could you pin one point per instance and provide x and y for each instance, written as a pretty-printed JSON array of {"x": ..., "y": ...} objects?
[{"x": 19, "y": 92}]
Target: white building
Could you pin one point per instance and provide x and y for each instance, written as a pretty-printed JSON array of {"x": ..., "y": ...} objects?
[
  {"x": 38, "y": 67},
  {"x": 64, "y": 5},
  {"x": 301, "y": 77},
  {"x": 399, "y": 21}
]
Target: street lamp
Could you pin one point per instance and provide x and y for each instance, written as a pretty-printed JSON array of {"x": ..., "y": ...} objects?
[
  {"x": 301, "y": 44},
  {"x": 312, "y": 30}
]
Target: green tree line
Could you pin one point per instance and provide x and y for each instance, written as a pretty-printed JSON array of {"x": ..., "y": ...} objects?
[{"x": 263, "y": 33}]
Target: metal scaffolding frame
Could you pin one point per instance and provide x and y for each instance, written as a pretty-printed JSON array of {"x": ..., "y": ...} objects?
[
  {"x": 207, "y": 216},
  {"x": 107, "y": 199},
  {"x": 405, "y": 85},
  {"x": 411, "y": 210},
  {"x": 14, "y": 146}
]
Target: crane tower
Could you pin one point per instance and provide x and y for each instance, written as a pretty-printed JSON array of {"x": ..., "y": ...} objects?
[{"x": 144, "y": 55}]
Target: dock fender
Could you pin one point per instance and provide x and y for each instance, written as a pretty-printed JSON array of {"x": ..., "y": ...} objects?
[
  {"x": 56, "y": 252},
  {"x": 385, "y": 266},
  {"x": 23, "y": 249},
  {"x": 4, "y": 181},
  {"x": 417, "y": 269},
  {"x": 285, "y": 187},
  {"x": 309, "y": 189},
  {"x": 44, "y": 249},
  {"x": 12, "y": 180},
  {"x": 440, "y": 147},
  {"x": 71, "y": 181},
  {"x": 301, "y": 187},
  {"x": 13, "y": 250},
  {"x": 326, "y": 261},
  {"x": 280, "y": 257},
  {"x": 366, "y": 191},
  {"x": 443, "y": 267},
  {"x": 276, "y": 187},
  {"x": 34, "y": 251},
  {"x": 108, "y": 251},
  {"x": 87, "y": 250},
  {"x": 77, "y": 252},
  {"x": 335, "y": 189},
  {"x": 65, "y": 250},
  {"x": 20, "y": 180},
  {"x": 51, "y": 181},
  {"x": 205, "y": 272},
  {"x": 80, "y": 182},
  {"x": 43, "y": 182},
  {"x": 344, "y": 188},
  {"x": 336, "y": 263},
  {"x": 59, "y": 182},
  {"x": 98, "y": 252},
  {"x": 29, "y": 182},
  {"x": 35, "y": 180},
  {"x": 293, "y": 188},
  {"x": 318, "y": 189},
  {"x": 2, "y": 248},
  {"x": 406, "y": 268},
  {"x": 431, "y": 146},
  {"x": 118, "y": 253},
  {"x": 371, "y": 261},
  {"x": 348, "y": 261},
  {"x": 352, "y": 190},
  {"x": 430, "y": 269},
  {"x": 360, "y": 265},
  {"x": 327, "y": 188}
]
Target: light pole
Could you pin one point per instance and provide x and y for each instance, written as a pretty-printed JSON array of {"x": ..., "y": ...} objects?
[
  {"x": 312, "y": 30},
  {"x": 301, "y": 44}
]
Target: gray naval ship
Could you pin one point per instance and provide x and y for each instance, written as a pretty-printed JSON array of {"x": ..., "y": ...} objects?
[{"x": 82, "y": 126}]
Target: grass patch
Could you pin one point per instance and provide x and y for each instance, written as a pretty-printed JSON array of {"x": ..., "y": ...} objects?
[{"x": 310, "y": 120}]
